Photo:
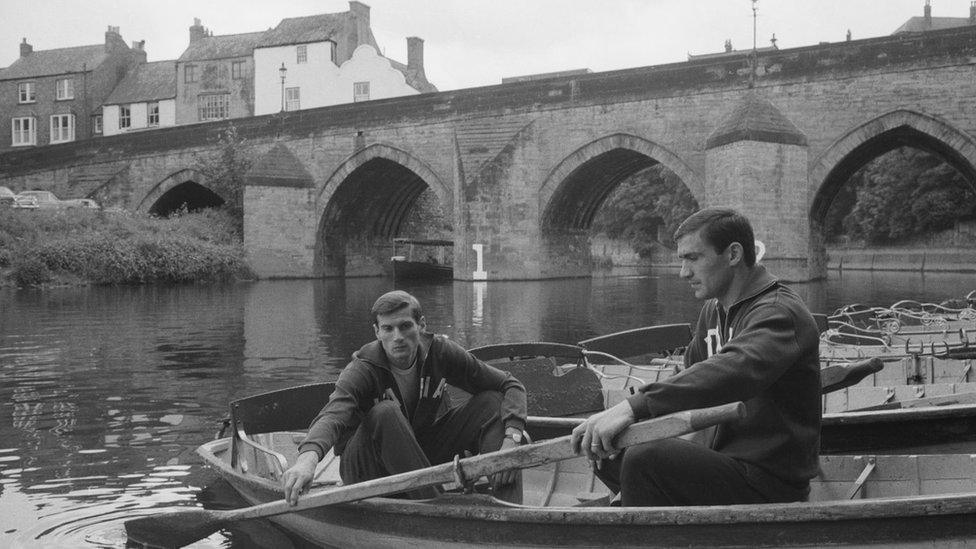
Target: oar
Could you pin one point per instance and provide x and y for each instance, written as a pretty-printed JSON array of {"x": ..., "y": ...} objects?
[
  {"x": 832, "y": 378},
  {"x": 180, "y": 528}
]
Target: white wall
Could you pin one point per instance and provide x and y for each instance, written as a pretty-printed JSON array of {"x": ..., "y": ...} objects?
[
  {"x": 321, "y": 82},
  {"x": 110, "y": 116}
]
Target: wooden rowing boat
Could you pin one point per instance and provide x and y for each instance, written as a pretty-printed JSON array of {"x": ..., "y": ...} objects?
[
  {"x": 924, "y": 405},
  {"x": 908, "y": 501}
]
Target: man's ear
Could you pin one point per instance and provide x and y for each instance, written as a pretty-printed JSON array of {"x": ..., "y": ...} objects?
[
  {"x": 735, "y": 253},
  {"x": 423, "y": 323}
]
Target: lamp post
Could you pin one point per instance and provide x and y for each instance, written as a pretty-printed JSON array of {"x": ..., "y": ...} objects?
[{"x": 282, "y": 71}]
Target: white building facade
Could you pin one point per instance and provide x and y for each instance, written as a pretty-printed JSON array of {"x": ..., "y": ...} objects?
[{"x": 318, "y": 81}]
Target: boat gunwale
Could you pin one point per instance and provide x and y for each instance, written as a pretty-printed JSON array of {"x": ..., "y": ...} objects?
[{"x": 796, "y": 512}]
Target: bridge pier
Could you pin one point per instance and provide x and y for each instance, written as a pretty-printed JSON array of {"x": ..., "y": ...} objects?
[{"x": 756, "y": 162}]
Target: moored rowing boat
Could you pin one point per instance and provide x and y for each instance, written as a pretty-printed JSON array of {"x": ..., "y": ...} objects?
[{"x": 856, "y": 501}]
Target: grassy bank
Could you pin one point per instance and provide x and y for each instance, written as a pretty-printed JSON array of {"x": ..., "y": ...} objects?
[{"x": 81, "y": 246}]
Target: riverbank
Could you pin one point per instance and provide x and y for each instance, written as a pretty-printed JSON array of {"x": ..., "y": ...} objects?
[{"x": 80, "y": 246}]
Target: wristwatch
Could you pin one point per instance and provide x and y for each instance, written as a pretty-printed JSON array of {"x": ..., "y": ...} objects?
[{"x": 516, "y": 436}]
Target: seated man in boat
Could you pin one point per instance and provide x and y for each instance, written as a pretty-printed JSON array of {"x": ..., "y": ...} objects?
[
  {"x": 756, "y": 342},
  {"x": 389, "y": 413}
]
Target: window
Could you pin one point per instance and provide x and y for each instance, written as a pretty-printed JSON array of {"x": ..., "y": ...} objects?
[
  {"x": 125, "y": 116},
  {"x": 65, "y": 88},
  {"x": 152, "y": 114},
  {"x": 97, "y": 124},
  {"x": 302, "y": 53},
  {"x": 293, "y": 99},
  {"x": 23, "y": 131},
  {"x": 360, "y": 91},
  {"x": 237, "y": 70},
  {"x": 62, "y": 128},
  {"x": 189, "y": 74},
  {"x": 26, "y": 93},
  {"x": 213, "y": 106},
  {"x": 332, "y": 52}
]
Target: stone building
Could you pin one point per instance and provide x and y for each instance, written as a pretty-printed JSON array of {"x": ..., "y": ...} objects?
[
  {"x": 144, "y": 99},
  {"x": 215, "y": 76},
  {"x": 55, "y": 96},
  {"x": 330, "y": 59}
]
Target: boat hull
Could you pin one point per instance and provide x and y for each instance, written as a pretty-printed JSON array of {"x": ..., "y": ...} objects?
[
  {"x": 410, "y": 270},
  {"x": 481, "y": 521}
]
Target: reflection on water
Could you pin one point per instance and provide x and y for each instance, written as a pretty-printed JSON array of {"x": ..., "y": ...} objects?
[{"x": 107, "y": 392}]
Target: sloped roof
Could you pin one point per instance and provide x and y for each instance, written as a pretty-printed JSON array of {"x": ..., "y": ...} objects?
[
  {"x": 222, "y": 47},
  {"x": 755, "y": 119},
  {"x": 416, "y": 78},
  {"x": 279, "y": 168},
  {"x": 147, "y": 82},
  {"x": 56, "y": 61},
  {"x": 303, "y": 30},
  {"x": 919, "y": 24}
]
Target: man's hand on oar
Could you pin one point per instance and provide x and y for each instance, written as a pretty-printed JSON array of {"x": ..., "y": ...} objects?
[
  {"x": 299, "y": 476},
  {"x": 595, "y": 436}
]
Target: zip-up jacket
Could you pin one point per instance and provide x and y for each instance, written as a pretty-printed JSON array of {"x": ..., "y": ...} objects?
[
  {"x": 368, "y": 379},
  {"x": 765, "y": 352}
]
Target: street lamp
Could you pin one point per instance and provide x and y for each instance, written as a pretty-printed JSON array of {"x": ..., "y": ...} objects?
[{"x": 282, "y": 71}]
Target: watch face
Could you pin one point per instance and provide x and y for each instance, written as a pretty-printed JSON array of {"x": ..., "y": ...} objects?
[{"x": 517, "y": 437}]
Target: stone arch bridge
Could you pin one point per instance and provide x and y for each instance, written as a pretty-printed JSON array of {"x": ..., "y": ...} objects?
[{"x": 521, "y": 168}]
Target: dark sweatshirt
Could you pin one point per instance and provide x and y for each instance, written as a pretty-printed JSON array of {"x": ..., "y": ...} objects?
[
  {"x": 367, "y": 380},
  {"x": 765, "y": 352}
]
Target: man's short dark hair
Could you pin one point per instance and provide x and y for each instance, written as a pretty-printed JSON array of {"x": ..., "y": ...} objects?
[
  {"x": 719, "y": 228},
  {"x": 391, "y": 302}
]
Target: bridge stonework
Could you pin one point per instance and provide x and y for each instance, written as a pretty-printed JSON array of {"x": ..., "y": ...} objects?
[{"x": 522, "y": 168}]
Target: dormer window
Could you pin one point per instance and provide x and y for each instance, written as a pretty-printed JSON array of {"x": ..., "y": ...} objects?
[{"x": 301, "y": 54}]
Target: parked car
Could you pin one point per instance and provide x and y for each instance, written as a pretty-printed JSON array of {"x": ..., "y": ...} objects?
[
  {"x": 44, "y": 200},
  {"x": 6, "y": 197},
  {"x": 80, "y": 203},
  {"x": 25, "y": 202}
]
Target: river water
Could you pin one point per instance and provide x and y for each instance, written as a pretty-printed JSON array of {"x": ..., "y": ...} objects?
[{"x": 106, "y": 392}]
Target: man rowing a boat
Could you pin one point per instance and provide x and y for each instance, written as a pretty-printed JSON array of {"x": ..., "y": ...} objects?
[
  {"x": 756, "y": 342},
  {"x": 390, "y": 413}
]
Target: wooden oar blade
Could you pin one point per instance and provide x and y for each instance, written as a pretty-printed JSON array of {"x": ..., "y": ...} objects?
[{"x": 176, "y": 529}]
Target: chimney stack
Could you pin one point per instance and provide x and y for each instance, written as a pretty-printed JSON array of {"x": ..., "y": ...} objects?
[
  {"x": 360, "y": 12},
  {"x": 928, "y": 13},
  {"x": 728, "y": 46},
  {"x": 25, "y": 48},
  {"x": 972, "y": 13},
  {"x": 113, "y": 40},
  {"x": 415, "y": 53},
  {"x": 197, "y": 31}
]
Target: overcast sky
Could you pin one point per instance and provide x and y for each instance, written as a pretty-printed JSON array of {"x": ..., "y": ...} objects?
[{"x": 478, "y": 42}]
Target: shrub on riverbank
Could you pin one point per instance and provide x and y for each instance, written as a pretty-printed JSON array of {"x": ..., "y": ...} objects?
[{"x": 117, "y": 248}]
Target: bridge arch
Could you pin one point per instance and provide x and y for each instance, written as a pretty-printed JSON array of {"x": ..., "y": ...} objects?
[
  {"x": 835, "y": 165},
  {"x": 187, "y": 186},
  {"x": 364, "y": 203},
  {"x": 830, "y": 170},
  {"x": 568, "y": 198}
]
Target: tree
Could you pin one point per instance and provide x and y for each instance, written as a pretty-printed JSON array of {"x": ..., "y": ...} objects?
[
  {"x": 903, "y": 193},
  {"x": 225, "y": 169},
  {"x": 650, "y": 202}
]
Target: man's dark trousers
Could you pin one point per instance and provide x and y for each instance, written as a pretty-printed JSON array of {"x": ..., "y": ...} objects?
[{"x": 385, "y": 444}]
